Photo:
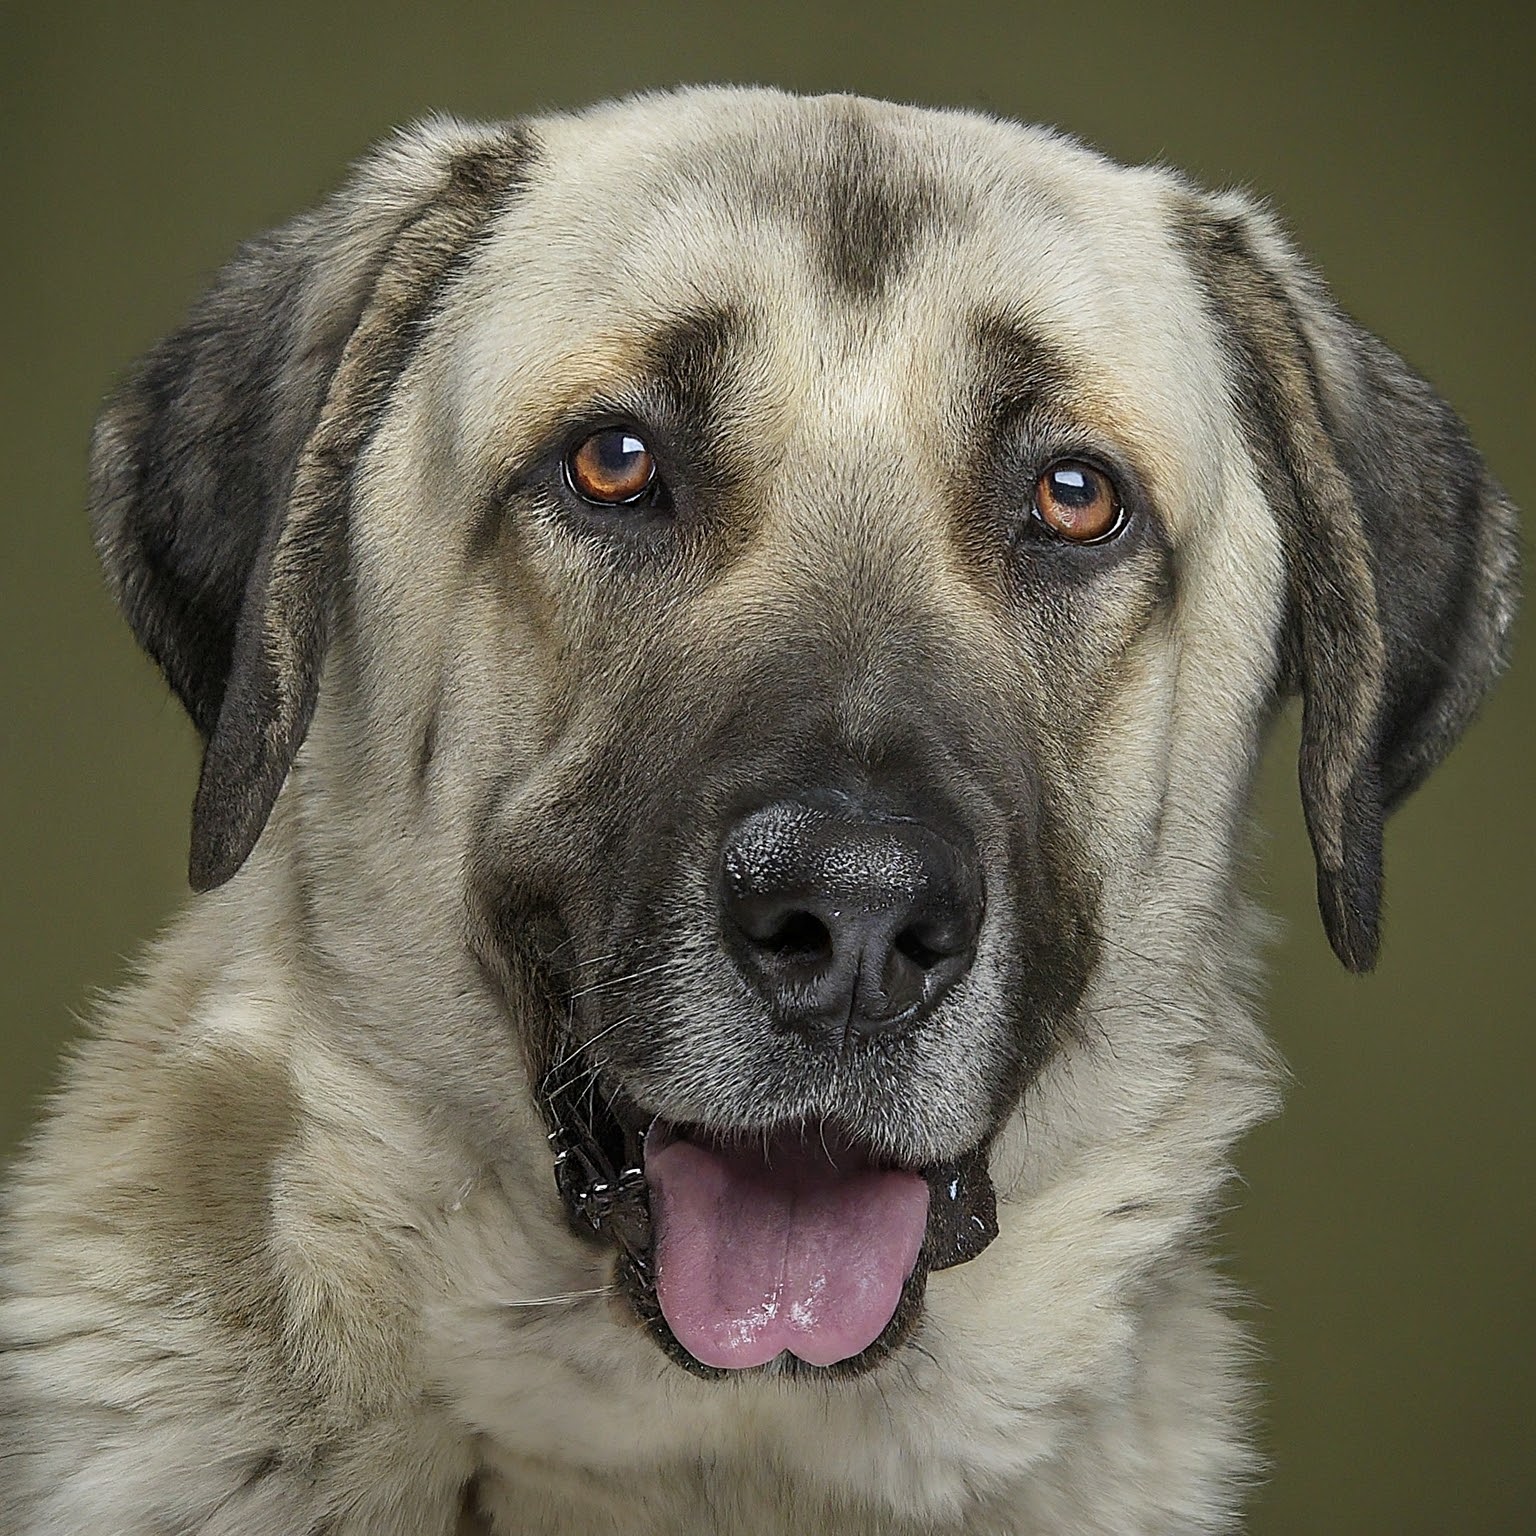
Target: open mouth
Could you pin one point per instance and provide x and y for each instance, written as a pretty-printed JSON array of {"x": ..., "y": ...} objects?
[{"x": 797, "y": 1245}]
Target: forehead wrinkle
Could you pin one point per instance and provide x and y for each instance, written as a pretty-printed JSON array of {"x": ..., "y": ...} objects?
[
  {"x": 1069, "y": 400},
  {"x": 1108, "y": 291},
  {"x": 676, "y": 372},
  {"x": 843, "y": 180},
  {"x": 856, "y": 511}
]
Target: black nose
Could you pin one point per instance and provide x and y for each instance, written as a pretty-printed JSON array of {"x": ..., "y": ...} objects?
[{"x": 847, "y": 922}]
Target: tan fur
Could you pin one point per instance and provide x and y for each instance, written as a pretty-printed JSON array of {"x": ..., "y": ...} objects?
[{"x": 286, "y": 1256}]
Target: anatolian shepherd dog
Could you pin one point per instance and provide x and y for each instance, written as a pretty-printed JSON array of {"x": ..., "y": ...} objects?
[{"x": 732, "y": 635}]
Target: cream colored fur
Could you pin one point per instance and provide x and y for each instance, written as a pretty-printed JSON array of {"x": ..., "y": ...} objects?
[{"x": 311, "y": 1081}]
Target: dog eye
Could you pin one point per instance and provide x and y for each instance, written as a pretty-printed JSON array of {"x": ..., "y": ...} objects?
[
  {"x": 611, "y": 468},
  {"x": 1078, "y": 502}
]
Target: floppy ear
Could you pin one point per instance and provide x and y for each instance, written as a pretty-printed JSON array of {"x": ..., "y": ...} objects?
[
  {"x": 221, "y": 471},
  {"x": 1400, "y": 548}
]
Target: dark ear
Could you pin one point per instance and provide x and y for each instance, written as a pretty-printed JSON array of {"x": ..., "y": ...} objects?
[
  {"x": 1401, "y": 553},
  {"x": 221, "y": 471}
]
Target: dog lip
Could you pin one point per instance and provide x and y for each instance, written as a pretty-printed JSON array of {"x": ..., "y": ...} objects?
[
  {"x": 599, "y": 1144},
  {"x": 962, "y": 1221}
]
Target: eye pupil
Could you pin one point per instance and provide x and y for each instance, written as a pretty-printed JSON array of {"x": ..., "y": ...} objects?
[
  {"x": 1079, "y": 502},
  {"x": 618, "y": 452},
  {"x": 1071, "y": 486},
  {"x": 611, "y": 468}
]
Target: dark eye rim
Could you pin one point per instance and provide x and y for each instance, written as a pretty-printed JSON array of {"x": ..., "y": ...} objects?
[
  {"x": 652, "y": 495},
  {"x": 1124, "y": 509}
]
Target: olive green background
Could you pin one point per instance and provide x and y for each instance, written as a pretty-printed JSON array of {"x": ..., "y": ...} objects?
[{"x": 1384, "y": 1225}]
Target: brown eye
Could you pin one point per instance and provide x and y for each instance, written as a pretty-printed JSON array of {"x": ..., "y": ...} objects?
[
  {"x": 612, "y": 468},
  {"x": 1078, "y": 502}
]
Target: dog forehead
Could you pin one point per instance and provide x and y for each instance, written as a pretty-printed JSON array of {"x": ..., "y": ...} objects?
[
  {"x": 870, "y": 238},
  {"x": 839, "y": 199}
]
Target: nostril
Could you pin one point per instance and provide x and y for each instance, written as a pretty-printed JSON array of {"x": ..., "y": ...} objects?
[
  {"x": 946, "y": 931},
  {"x": 800, "y": 935},
  {"x": 925, "y": 956}
]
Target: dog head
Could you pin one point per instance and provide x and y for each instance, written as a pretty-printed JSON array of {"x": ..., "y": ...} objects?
[{"x": 793, "y": 592}]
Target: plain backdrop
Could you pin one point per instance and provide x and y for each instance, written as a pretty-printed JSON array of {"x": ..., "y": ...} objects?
[{"x": 1384, "y": 1225}]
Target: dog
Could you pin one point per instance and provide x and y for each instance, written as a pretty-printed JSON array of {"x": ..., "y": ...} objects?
[{"x": 732, "y": 635}]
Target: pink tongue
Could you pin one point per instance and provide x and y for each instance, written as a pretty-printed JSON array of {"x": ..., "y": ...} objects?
[{"x": 756, "y": 1255}]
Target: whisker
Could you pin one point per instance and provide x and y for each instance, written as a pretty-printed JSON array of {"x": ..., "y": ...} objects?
[
  {"x": 587, "y": 962},
  {"x": 561, "y": 1298},
  {"x": 586, "y": 1075},
  {"x": 602, "y": 1034},
  {"x": 620, "y": 981}
]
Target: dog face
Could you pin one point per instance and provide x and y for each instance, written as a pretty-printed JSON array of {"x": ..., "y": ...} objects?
[{"x": 780, "y": 601}]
